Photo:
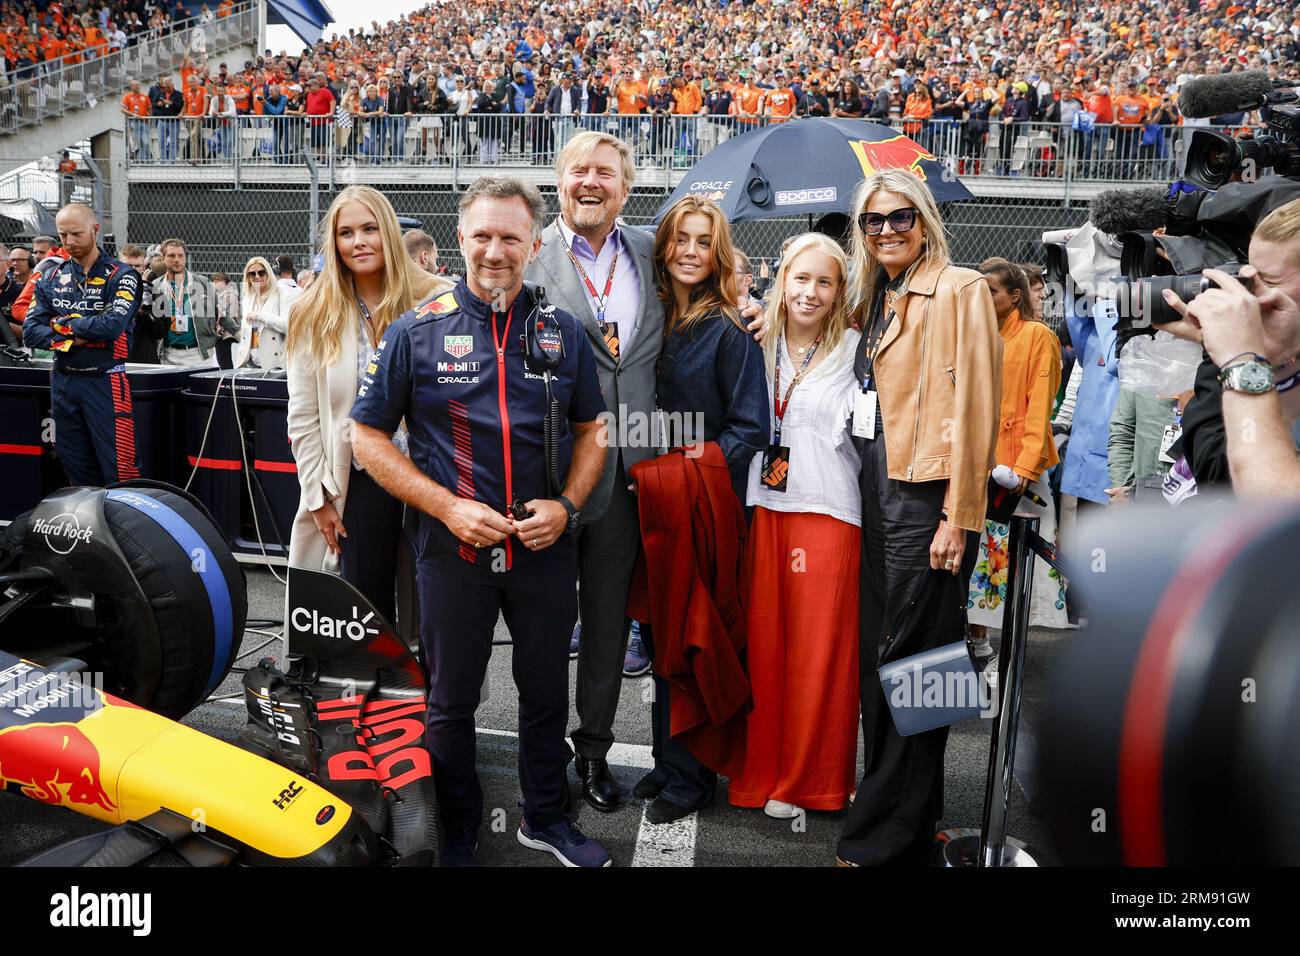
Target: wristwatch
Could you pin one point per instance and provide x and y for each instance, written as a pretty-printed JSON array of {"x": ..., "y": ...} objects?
[
  {"x": 1252, "y": 376},
  {"x": 574, "y": 513}
]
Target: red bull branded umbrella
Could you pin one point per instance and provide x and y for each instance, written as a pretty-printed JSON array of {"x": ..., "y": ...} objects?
[{"x": 807, "y": 167}]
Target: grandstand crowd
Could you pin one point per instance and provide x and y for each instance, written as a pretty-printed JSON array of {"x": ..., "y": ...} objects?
[
  {"x": 37, "y": 38},
  {"x": 456, "y": 78}
]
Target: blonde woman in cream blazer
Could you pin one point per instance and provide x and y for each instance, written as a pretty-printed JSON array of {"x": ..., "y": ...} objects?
[
  {"x": 346, "y": 523},
  {"x": 264, "y": 307}
]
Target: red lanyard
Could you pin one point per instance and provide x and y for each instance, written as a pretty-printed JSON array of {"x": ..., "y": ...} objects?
[
  {"x": 780, "y": 405},
  {"x": 602, "y": 299}
]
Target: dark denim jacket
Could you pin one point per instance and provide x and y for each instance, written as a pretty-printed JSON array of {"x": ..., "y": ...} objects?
[{"x": 715, "y": 370}]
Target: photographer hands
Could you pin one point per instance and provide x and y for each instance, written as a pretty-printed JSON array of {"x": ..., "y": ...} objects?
[{"x": 1230, "y": 319}]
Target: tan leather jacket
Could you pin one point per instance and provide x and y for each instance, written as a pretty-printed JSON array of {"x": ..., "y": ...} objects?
[{"x": 939, "y": 373}]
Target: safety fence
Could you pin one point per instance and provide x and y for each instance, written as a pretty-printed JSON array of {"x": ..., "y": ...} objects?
[
  {"x": 224, "y": 226},
  {"x": 33, "y": 94},
  {"x": 1038, "y": 151}
]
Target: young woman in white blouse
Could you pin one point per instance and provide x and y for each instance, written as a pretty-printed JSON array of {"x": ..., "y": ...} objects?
[
  {"x": 264, "y": 307},
  {"x": 801, "y": 572}
]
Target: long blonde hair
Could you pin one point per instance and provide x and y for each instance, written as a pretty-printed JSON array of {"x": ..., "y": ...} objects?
[
  {"x": 718, "y": 291},
  {"x": 246, "y": 290},
  {"x": 837, "y": 320},
  {"x": 866, "y": 268},
  {"x": 324, "y": 313}
]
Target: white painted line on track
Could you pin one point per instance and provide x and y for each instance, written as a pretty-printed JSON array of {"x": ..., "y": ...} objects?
[{"x": 666, "y": 844}]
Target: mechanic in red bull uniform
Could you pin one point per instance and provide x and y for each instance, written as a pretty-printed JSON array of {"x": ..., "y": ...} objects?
[
  {"x": 83, "y": 311},
  {"x": 474, "y": 372}
]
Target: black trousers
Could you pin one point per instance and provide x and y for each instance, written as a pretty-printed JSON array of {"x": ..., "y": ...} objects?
[
  {"x": 459, "y": 606},
  {"x": 900, "y": 796},
  {"x": 687, "y": 782},
  {"x": 373, "y": 519},
  {"x": 607, "y": 551}
]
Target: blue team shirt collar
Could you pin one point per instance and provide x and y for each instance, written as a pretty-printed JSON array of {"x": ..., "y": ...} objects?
[
  {"x": 471, "y": 304},
  {"x": 580, "y": 246}
]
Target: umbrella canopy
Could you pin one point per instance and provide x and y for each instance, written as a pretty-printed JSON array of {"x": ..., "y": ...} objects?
[
  {"x": 32, "y": 218},
  {"x": 807, "y": 167}
]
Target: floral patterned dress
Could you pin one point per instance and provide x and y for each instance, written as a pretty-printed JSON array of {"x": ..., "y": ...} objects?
[{"x": 988, "y": 584}]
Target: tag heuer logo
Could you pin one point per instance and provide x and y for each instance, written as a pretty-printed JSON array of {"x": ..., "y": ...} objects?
[{"x": 457, "y": 345}]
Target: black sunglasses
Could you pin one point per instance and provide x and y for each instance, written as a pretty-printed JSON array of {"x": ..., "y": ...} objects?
[
  {"x": 256, "y": 273},
  {"x": 900, "y": 220}
]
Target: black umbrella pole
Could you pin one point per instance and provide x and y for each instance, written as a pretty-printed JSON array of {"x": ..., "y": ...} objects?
[
  {"x": 990, "y": 846},
  {"x": 1011, "y": 663}
]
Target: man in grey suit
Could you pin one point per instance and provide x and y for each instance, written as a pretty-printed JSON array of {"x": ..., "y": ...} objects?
[{"x": 603, "y": 274}]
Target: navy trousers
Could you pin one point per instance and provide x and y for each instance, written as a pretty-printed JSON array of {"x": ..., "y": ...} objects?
[
  {"x": 94, "y": 427},
  {"x": 459, "y": 606}
]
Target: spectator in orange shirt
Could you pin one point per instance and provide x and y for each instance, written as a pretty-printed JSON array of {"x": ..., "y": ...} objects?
[
  {"x": 196, "y": 107},
  {"x": 1130, "y": 114},
  {"x": 139, "y": 131},
  {"x": 749, "y": 100},
  {"x": 688, "y": 101},
  {"x": 779, "y": 104},
  {"x": 225, "y": 8},
  {"x": 917, "y": 112}
]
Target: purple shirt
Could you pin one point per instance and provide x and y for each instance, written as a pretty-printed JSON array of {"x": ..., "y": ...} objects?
[{"x": 624, "y": 302}]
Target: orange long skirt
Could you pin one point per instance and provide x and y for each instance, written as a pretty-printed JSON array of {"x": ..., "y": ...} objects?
[{"x": 801, "y": 578}]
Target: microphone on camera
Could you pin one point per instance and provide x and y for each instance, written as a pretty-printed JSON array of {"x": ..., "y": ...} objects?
[
  {"x": 1224, "y": 93},
  {"x": 1116, "y": 211}
]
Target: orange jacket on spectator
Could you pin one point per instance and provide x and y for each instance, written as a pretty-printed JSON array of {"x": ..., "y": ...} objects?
[
  {"x": 225, "y": 8},
  {"x": 1031, "y": 375},
  {"x": 688, "y": 100},
  {"x": 918, "y": 109}
]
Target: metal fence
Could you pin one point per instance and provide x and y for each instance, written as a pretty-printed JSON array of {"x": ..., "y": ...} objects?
[
  {"x": 1038, "y": 151},
  {"x": 224, "y": 226},
  {"x": 30, "y": 96}
]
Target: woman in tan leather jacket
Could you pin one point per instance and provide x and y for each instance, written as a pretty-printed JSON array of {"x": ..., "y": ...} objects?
[{"x": 925, "y": 417}]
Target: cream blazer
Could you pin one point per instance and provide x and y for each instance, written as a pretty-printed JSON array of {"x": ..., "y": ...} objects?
[{"x": 320, "y": 435}]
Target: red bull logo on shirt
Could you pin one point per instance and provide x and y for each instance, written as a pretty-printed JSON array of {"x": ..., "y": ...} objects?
[{"x": 897, "y": 152}]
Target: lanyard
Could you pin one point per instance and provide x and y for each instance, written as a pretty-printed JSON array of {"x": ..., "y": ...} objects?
[
  {"x": 369, "y": 328},
  {"x": 602, "y": 298},
  {"x": 180, "y": 300},
  {"x": 875, "y": 337},
  {"x": 780, "y": 405}
]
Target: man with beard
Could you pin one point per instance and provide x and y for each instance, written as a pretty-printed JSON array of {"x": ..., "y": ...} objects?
[{"x": 602, "y": 273}]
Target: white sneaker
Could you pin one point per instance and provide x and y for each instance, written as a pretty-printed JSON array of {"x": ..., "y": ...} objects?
[{"x": 781, "y": 810}]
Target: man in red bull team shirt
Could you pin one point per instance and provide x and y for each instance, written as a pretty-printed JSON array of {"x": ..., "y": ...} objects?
[{"x": 83, "y": 311}]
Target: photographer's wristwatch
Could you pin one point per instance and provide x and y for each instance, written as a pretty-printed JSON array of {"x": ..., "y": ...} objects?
[
  {"x": 1253, "y": 376},
  {"x": 574, "y": 513}
]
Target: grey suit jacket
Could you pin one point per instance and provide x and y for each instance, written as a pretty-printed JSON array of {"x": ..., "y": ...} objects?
[{"x": 629, "y": 385}]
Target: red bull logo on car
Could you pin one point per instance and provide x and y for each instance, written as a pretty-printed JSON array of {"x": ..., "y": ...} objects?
[
  {"x": 897, "y": 152},
  {"x": 53, "y": 763}
]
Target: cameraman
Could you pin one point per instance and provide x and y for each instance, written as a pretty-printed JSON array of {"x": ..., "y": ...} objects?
[{"x": 1243, "y": 435}]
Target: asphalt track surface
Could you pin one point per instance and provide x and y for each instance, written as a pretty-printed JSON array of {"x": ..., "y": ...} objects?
[{"x": 720, "y": 835}]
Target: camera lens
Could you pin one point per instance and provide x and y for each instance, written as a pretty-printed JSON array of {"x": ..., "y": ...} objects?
[{"x": 1217, "y": 162}]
